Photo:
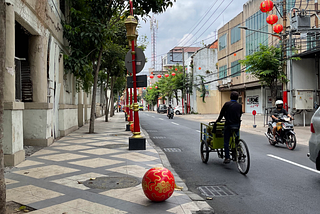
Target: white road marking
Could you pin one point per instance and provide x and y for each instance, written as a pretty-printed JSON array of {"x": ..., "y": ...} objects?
[
  {"x": 293, "y": 163},
  {"x": 198, "y": 130},
  {"x": 175, "y": 123},
  {"x": 160, "y": 119},
  {"x": 153, "y": 116}
]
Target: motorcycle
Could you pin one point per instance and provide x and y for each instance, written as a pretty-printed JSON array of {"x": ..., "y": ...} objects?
[
  {"x": 284, "y": 133},
  {"x": 170, "y": 114}
]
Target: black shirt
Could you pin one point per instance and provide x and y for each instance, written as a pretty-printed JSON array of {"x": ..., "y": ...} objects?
[
  {"x": 232, "y": 112},
  {"x": 277, "y": 112}
]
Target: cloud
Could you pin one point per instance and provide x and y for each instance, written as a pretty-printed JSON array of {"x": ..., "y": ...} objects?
[{"x": 176, "y": 24}]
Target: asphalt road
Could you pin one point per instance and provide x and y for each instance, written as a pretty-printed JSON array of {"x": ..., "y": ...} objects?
[{"x": 279, "y": 180}]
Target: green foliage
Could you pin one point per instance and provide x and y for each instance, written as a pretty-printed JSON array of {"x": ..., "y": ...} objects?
[
  {"x": 96, "y": 25},
  {"x": 266, "y": 65},
  {"x": 202, "y": 89}
]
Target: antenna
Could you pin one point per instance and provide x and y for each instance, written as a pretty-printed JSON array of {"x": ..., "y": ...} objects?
[{"x": 154, "y": 31}]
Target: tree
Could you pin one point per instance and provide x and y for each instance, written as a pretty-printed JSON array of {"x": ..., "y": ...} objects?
[
  {"x": 90, "y": 25},
  {"x": 266, "y": 65},
  {"x": 2, "y": 70}
]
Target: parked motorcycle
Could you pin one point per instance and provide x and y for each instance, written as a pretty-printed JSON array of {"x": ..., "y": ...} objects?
[
  {"x": 170, "y": 114},
  {"x": 284, "y": 133}
]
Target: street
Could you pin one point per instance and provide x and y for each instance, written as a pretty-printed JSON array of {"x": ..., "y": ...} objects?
[{"x": 279, "y": 180}]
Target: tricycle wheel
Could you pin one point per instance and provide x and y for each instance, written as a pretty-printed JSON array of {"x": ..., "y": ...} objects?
[
  {"x": 243, "y": 157},
  {"x": 204, "y": 151}
]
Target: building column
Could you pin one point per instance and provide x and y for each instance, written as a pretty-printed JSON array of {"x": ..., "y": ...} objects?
[
  {"x": 38, "y": 46},
  {"x": 80, "y": 108},
  {"x": 13, "y": 111},
  {"x": 86, "y": 106},
  {"x": 38, "y": 114}
]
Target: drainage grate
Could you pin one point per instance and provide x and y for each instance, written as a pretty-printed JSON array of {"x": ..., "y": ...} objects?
[
  {"x": 172, "y": 149},
  {"x": 215, "y": 191},
  {"x": 159, "y": 137},
  {"x": 112, "y": 182}
]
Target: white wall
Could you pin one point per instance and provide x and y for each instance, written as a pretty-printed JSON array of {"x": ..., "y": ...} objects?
[
  {"x": 206, "y": 59},
  {"x": 12, "y": 127},
  {"x": 70, "y": 118},
  {"x": 34, "y": 121}
]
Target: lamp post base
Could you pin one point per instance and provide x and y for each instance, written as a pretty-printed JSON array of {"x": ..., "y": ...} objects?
[
  {"x": 137, "y": 143},
  {"x": 128, "y": 127}
]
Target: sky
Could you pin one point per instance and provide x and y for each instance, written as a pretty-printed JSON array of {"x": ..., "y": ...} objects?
[{"x": 188, "y": 23}]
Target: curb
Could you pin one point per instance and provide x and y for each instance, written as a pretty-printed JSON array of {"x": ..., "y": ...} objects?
[{"x": 201, "y": 203}]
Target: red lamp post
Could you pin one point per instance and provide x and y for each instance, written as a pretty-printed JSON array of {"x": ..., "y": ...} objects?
[{"x": 131, "y": 24}]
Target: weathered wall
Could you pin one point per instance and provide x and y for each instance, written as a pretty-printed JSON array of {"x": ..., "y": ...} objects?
[
  {"x": 13, "y": 131},
  {"x": 70, "y": 121},
  {"x": 37, "y": 123}
]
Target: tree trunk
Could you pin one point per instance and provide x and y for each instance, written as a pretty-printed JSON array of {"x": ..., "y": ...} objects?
[
  {"x": 2, "y": 70},
  {"x": 93, "y": 103},
  {"x": 107, "y": 99},
  {"x": 177, "y": 98},
  {"x": 273, "y": 90},
  {"x": 112, "y": 97}
]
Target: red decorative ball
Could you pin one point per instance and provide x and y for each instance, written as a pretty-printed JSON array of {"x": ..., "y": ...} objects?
[
  {"x": 173, "y": 74},
  {"x": 158, "y": 184},
  {"x": 151, "y": 76},
  {"x": 159, "y": 75},
  {"x": 166, "y": 75}
]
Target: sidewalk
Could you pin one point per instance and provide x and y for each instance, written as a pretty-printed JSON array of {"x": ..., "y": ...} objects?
[{"x": 86, "y": 173}]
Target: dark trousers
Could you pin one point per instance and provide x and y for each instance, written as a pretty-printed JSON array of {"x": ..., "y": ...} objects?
[{"x": 227, "y": 135}]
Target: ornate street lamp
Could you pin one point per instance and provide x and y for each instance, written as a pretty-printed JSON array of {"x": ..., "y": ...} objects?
[{"x": 136, "y": 142}]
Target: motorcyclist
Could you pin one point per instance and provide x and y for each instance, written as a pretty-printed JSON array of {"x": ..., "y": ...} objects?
[
  {"x": 169, "y": 110},
  {"x": 275, "y": 114},
  {"x": 232, "y": 112}
]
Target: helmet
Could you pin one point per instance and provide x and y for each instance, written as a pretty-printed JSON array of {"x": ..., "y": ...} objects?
[{"x": 279, "y": 102}]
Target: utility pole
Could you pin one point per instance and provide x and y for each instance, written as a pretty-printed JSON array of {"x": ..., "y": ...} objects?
[
  {"x": 184, "y": 84},
  {"x": 284, "y": 48},
  {"x": 316, "y": 8},
  {"x": 2, "y": 70}
]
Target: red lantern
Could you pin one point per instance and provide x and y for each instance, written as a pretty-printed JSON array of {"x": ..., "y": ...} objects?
[
  {"x": 156, "y": 87},
  {"x": 158, "y": 184},
  {"x": 150, "y": 87},
  {"x": 166, "y": 75},
  {"x": 151, "y": 76},
  {"x": 277, "y": 28},
  {"x": 266, "y": 6},
  {"x": 272, "y": 19},
  {"x": 173, "y": 74},
  {"x": 159, "y": 76}
]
